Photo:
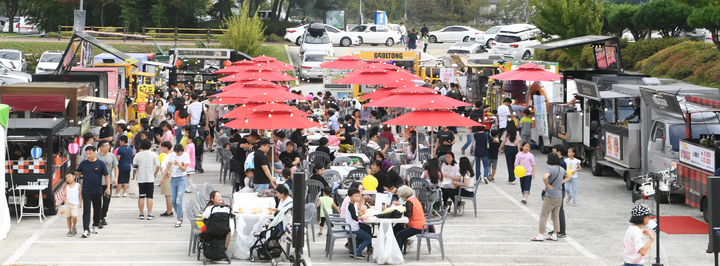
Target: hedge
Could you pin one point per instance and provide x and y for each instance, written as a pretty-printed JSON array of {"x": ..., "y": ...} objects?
[{"x": 694, "y": 62}]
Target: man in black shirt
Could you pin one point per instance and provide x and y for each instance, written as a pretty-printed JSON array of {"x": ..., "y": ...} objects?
[
  {"x": 106, "y": 130},
  {"x": 263, "y": 178},
  {"x": 382, "y": 178},
  {"x": 93, "y": 171},
  {"x": 445, "y": 140},
  {"x": 424, "y": 30},
  {"x": 240, "y": 154}
]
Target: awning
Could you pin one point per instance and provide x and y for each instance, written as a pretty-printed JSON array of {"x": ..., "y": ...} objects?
[
  {"x": 93, "y": 99},
  {"x": 26, "y": 138},
  {"x": 38, "y": 103}
]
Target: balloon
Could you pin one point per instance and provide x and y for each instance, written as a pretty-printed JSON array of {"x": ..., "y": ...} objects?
[
  {"x": 129, "y": 135},
  {"x": 569, "y": 172},
  {"x": 36, "y": 152},
  {"x": 227, "y": 63},
  {"x": 520, "y": 171},
  {"x": 161, "y": 156},
  {"x": 73, "y": 148},
  {"x": 370, "y": 182},
  {"x": 178, "y": 63}
]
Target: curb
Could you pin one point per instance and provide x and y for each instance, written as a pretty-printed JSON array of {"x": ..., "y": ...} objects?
[{"x": 297, "y": 82}]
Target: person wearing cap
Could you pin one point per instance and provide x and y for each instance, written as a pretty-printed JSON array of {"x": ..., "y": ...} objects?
[
  {"x": 554, "y": 178},
  {"x": 263, "y": 178},
  {"x": 106, "y": 130},
  {"x": 634, "y": 246}
]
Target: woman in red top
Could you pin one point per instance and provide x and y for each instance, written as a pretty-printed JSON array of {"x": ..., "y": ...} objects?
[
  {"x": 414, "y": 212},
  {"x": 181, "y": 118},
  {"x": 387, "y": 133}
]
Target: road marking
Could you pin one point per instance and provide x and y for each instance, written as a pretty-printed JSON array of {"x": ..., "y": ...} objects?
[
  {"x": 113, "y": 242},
  {"x": 25, "y": 246},
  {"x": 347, "y": 51},
  {"x": 570, "y": 241}
]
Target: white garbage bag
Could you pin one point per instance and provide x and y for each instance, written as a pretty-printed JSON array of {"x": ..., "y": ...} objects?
[{"x": 386, "y": 250}]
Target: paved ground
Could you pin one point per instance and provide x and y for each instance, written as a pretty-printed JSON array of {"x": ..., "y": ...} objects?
[{"x": 498, "y": 236}]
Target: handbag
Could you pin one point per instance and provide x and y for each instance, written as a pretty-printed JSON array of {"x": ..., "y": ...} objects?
[
  {"x": 542, "y": 194},
  {"x": 391, "y": 215}
]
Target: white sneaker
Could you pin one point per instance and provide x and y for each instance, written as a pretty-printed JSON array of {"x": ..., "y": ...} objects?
[
  {"x": 95, "y": 230},
  {"x": 486, "y": 180},
  {"x": 125, "y": 195},
  {"x": 511, "y": 183}
]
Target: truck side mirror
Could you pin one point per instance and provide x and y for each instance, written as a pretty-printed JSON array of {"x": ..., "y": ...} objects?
[{"x": 658, "y": 144}]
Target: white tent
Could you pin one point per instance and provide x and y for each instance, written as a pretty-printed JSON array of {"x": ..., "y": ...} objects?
[{"x": 4, "y": 211}]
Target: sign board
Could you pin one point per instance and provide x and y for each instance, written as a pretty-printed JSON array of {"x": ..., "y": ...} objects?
[
  {"x": 661, "y": 101},
  {"x": 613, "y": 147},
  {"x": 143, "y": 92},
  {"x": 541, "y": 120},
  {"x": 697, "y": 156},
  {"x": 446, "y": 74},
  {"x": 381, "y": 18},
  {"x": 84, "y": 125},
  {"x": 202, "y": 53},
  {"x": 404, "y": 56},
  {"x": 336, "y": 18},
  {"x": 588, "y": 89}
]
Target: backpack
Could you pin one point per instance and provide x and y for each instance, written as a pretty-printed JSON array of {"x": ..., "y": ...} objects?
[{"x": 219, "y": 222}]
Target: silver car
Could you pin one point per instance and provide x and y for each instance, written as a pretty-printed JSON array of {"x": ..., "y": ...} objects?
[{"x": 14, "y": 59}]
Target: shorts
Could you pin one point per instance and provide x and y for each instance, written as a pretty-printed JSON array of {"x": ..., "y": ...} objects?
[
  {"x": 71, "y": 210},
  {"x": 492, "y": 164},
  {"x": 165, "y": 188},
  {"x": 190, "y": 171},
  {"x": 212, "y": 129},
  {"x": 123, "y": 177},
  {"x": 145, "y": 190}
]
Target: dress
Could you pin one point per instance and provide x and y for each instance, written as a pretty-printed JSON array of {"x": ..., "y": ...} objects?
[{"x": 412, "y": 41}]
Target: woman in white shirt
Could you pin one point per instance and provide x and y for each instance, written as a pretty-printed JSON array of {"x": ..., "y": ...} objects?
[
  {"x": 634, "y": 246},
  {"x": 450, "y": 172}
]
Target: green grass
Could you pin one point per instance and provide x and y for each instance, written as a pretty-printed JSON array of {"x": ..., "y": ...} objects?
[
  {"x": 277, "y": 51},
  {"x": 39, "y": 47}
]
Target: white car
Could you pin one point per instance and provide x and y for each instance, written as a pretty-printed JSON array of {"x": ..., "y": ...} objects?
[
  {"x": 376, "y": 34},
  {"x": 453, "y": 34},
  {"x": 514, "y": 41},
  {"x": 9, "y": 76},
  {"x": 466, "y": 48},
  {"x": 310, "y": 66},
  {"x": 48, "y": 61},
  {"x": 14, "y": 59},
  {"x": 21, "y": 25},
  {"x": 486, "y": 38},
  {"x": 316, "y": 38},
  {"x": 337, "y": 36}
]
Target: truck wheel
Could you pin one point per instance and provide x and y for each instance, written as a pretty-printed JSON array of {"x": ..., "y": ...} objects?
[
  {"x": 51, "y": 209},
  {"x": 704, "y": 209},
  {"x": 629, "y": 184},
  {"x": 597, "y": 169},
  {"x": 543, "y": 148},
  {"x": 663, "y": 198}
]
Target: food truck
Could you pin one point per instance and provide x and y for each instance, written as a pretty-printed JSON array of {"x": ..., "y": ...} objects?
[{"x": 192, "y": 67}]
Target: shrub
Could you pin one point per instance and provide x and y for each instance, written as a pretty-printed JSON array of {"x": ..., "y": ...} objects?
[
  {"x": 278, "y": 27},
  {"x": 642, "y": 49},
  {"x": 273, "y": 38},
  {"x": 244, "y": 34},
  {"x": 694, "y": 62}
]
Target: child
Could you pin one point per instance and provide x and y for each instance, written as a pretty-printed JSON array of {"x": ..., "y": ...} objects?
[
  {"x": 287, "y": 176},
  {"x": 327, "y": 202},
  {"x": 352, "y": 218},
  {"x": 165, "y": 190},
  {"x": 526, "y": 126},
  {"x": 493, "y": 152},
  {"x": 73, "y": 202},
  {"x": 527, "y": 160},
  {"x": 190, "y": 151},
  {"x": 249, "y": 173},
  {"x": 334, "y": 138},
  {"x": 573, "y": 165}
]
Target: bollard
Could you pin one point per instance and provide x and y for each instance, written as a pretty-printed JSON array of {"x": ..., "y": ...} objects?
[
  {"x": 176, "y": 35},
  {"x": 92, "y": 28},
  {"x": 59, "y": 31},
  {"x": 208, "y": 35},
  {"x": 124, "y": 32},
  {"x": 143, "y": 33}
]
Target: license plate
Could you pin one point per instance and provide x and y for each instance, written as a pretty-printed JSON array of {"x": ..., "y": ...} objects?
[
  {"x": 315, "y": 69},
  {"x": 502, "y": 49},
  {"x": 16, "y": 200}
]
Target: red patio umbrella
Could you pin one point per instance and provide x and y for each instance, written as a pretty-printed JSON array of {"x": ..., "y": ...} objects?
[
  {"x": 260, "y": 73},
  {"x": 398, "y": 74},
  {"x": 399, "y": 84},
  {"x": 242, "y": 112},
  {"x": 393, "y": 91},
  {"x": 381, "y": 66},
  {"x": 377, "y": 94},
  {"x": 272, "y": 121},
  {"x": 244, "y": 62},
  {"x": 272, "y": 62},
  {"x": 252, "y": 83},
  {"x": 411, "y": 100},
  {"x": 378, "y": 60},
  {"x": 344, "y": 62},
  {"x": 528, "y": 72},
  {"x": 373, "y": 77},
  {"x": 235, "y": 68},
  {"x": 270, "y": 94},
  {"x": 229, "y": 101},
  {"x": 423, "y": 118}
]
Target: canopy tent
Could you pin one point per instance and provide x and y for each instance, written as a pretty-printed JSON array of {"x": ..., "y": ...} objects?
[{"x": 4, "y": 210}]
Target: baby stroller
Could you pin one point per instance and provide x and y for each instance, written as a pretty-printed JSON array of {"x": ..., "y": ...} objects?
[
  {"x": 267, "y": 246},
  {"x": 199, "y": 156},
  {"x": 211, "y": 242}
]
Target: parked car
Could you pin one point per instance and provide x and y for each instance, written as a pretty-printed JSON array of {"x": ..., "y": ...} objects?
[
  {"x": 514, "y": 40},
  {"x": 466, "y": 48},
  {"x": 310, "y": 66},
  {"x": 9, "y": 76},
  {"x": 316, "y": 38},
  {"x": 453, "y": 34},
  {"x": 337, "y": 36},
  {"x": 14, "y": 59},
  {"x": 21, "y": 25},
  {"x": 376, "y": 34},
  {"x": 48, "y": 61},
  {"x": 486, "y": 38}
]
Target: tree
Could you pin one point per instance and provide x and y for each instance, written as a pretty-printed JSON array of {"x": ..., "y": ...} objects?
[
  {"x": 158, "y": 14},
  {"x": 48, "y": 14},
  {"x": 629, "y": 2},
  {"x": 568, "y": 19},
  {"x": 666, "y": 16},
  {"x": 245, "y": 32},
  {"x": 222, "y": 9},
  {"x": 11, "y": 10},
  {"x": 129, "y": 14},
  {"x": 508, "y": 12},
  {"x": 708, "y": 18},
  {"x": 607, "y": 28},
  {"x": 423, "y": 10},
  {"x": 622, "y": 17}
]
